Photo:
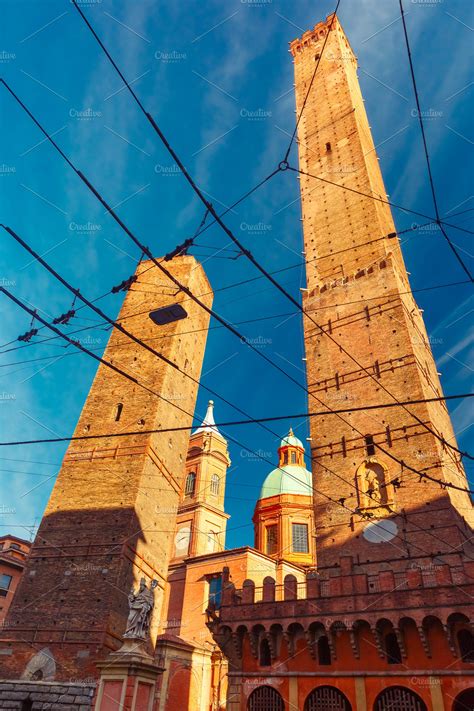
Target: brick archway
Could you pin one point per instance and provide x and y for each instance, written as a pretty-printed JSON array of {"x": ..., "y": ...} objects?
[
  {"x": 399, "y": 698},
  {"x": 326, "y": 698},
  {"x": 265, "y": 698}
]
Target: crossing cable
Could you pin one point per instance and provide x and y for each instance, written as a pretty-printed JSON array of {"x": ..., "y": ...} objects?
[
  {"x": 141, "y": 343},
  {"x": 332, "y": 23},
  {"x": 78, "y": 294},
  {"x": 187, "y": 291},
  {"x": 199, "y": 330},
  {"x": 242, "y": 338},
  {"x": 340, "y": 502},
  {"x": 235, "y": 423},
  {"x": 110, "y": 321},
  {"x": 257, "y": 278},
  {"x": 134, "y": 380},
  {"x": 231, "y": 328},
  {"x": 283, "y": 166},
  {"x": 250, "y": 421},
  {"x": 425, "y": 146},
  {"x": 377, "y": 198},
  {"x": 221, "y": 320}
]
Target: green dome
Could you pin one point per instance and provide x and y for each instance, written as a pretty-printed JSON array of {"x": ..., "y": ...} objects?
[
  {"x": 289, "y": 479},
  {"x": 291, "y": 441}
]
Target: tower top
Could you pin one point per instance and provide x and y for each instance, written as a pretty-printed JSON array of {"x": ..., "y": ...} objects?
[
  {"x": 208, "y": 424},
  {"x": 318, "y": 33}
]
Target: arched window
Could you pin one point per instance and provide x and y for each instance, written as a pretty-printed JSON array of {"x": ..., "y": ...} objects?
[
  {"x": 264, "y": 656},
  {"x": 118, "y": 411},
  {"x": 392, "y": 649},
  {"x": 324, "y": 651},
  {"x": 190, "y": 484},
  {"x": 466, "y": 645},
  {"x": 326, "y": 697},
  {"x": 215, "y": 484},
  {"x": 396, "y": 698},
  {"x": 265, "y": 698},
  {"x": 293, "y": 457}
]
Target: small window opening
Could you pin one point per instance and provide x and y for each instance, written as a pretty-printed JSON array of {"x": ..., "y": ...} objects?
[
  {"x": 190, "y": 484},
  {"x": 324, "y": 651},
  {"x": 265, "y": 657},
  {"x": 369, "y": 445},
  {"x": 392, "y": 649},
  {"x": 118, "y": 411}
]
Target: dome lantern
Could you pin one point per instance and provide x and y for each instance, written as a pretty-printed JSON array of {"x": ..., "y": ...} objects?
[{"x": 291, "y": 450}]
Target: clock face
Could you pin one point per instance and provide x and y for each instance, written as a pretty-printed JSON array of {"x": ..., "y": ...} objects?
[
  {"x": 380, "y": 531},
  {"x": 182, "y": 539}
]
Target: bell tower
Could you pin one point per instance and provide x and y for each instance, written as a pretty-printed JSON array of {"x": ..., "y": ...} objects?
[
  {"x": 202, "y": 521},
  {"x": 373, "y": 347}
]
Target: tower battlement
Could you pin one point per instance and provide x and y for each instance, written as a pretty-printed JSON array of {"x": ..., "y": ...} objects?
[{"x": 318, "y": 34}]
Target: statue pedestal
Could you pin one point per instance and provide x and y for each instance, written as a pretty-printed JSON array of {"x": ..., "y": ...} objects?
[{"x": 127, "y": 679}]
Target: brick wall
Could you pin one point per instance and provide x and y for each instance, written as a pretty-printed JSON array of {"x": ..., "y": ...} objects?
[
  {"x": 359, "y": 293},
  {"x": 111, "y": 516}
]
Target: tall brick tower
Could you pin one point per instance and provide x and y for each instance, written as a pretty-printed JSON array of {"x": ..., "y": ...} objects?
[
  {"x": 384, "y": 622},
  {"x": 358, "y": 291},
  {"x": 111, "y": 516}
]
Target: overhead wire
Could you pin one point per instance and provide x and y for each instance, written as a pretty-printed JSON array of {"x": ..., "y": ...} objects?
[
  {"x": 229, "y": 232},
  {"x": 87, "y": 181},
  {"x": 425, "y": 147},
  {"x": 145, "y": 250}
]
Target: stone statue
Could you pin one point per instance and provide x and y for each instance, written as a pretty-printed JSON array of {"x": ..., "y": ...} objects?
[
  {"x": 141, "y": 605},
  {"x": 373, "y": 487}
]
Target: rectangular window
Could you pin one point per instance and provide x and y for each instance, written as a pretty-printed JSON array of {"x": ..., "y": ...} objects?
[
  {"x": 215, "y": 592},
  {"x": 369, "y": 445},
  {"x": 5, "y": 581},
  {"x": 299, "y": 533},
  {"x": 272, "y": 539}
]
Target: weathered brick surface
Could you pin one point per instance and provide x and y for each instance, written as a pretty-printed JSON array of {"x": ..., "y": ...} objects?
[
  {"x": 359, "y": 293},
  {"x": 111, "y": 516},
  {"x": 415, "y": 590}
]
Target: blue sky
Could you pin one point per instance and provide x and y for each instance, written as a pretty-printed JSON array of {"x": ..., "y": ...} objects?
[{"x": 218, "y": 78}]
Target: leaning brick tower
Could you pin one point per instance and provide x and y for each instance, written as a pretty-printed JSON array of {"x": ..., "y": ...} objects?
[
  {"x": 358, "y": 291},
  {"x": 111, "y": 516}
]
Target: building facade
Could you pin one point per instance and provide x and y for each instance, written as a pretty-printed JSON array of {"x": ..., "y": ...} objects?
[
  {"x": 196, "y": 670},
  {"x": 384, "y": 621},
  {"x": 13, "y": 554}
]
